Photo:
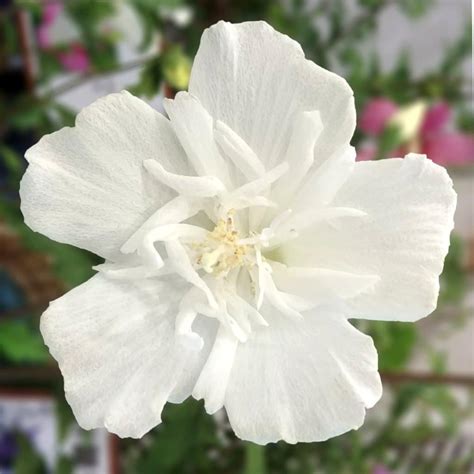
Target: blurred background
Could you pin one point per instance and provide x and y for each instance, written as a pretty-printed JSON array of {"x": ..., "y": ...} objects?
[{"x": 410, "y": 65}]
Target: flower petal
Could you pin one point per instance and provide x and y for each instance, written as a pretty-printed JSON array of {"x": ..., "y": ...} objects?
[
  {"x": 257, "y": 81},
  {"x": 303, "y": 380},
  {"x": 307, "y": 128},
  {"x": 325, "y": 181},
  {"x": 212, "y": 382},
  {"x": 195, "y": 129},
  {"x": 403, "y": 238},
  {"x": 320, "y": 285},
  {"x": 115, "y": 344},
  {"x": 194, "y": 186},
  {"x": 86, "y": 185}
]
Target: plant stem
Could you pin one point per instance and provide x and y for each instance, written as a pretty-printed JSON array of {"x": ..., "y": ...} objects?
[{"x": 254, "y": 459}]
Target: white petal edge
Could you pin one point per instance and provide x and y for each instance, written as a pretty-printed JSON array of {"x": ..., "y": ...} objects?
[
  {"x": 302, "y": 381},
  {"x": 116, "y": 347},
  {"x": 404, "y": 237},
  {"x": 257, "y": 81},
  {"x": 86, "y": 185}
]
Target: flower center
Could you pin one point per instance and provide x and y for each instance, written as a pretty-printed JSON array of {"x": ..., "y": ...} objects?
[{"x": 222, "y": 250}]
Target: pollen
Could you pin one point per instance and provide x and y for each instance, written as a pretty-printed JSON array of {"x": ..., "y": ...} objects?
[{"x": 221, "y": 252}]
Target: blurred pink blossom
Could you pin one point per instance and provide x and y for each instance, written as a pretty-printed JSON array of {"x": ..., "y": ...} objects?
[
  {"x": 376, "y": 114},
  {"x": 443, "y": 147},
  {"x": 436, "y": 119},
  {"x": 75, "y": 59},
  {"x": 449, "y": 148},
  {"x": 380, "y": 469},
  {"x": 50, "y": 12},
  {"x": 366, "y": 153}
]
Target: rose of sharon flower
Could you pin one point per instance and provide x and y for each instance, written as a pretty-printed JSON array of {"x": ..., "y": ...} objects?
[
  {"x": 75, "y": 58},
  {"x": 239, "y": 237},
  {"x": 426, "y": 130},
  {"x": 376, "y": 115}
]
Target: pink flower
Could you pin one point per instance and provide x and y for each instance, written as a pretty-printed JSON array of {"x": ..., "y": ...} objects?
[
  {"x": 366, "y": 153},
  {"x": 50, "y": 12},
  {"x": 449, "y": 148},
  {"x": 380, "y": 469},
  {"x": 444, "y": 147},
  {"x": 376, "y": 114},
  {"x": 441, "y": 146},
  {"x": 436, "y": 118},
  {"x": 75, "y": 59}
]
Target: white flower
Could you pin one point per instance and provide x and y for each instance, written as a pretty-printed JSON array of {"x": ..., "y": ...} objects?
[{"x": 239, "y": 237}]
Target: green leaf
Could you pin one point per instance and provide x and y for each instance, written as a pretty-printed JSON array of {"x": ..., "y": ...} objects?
[
  {"x": 88, "y": 14},
  {"x": 453, "y": 280},
  {"x": 28, "y": 118},
  {"x": 457, "y": 52},
  {"x": 13, "y": 163},
  {"x": 388, "y": 141},
  {"x": 176, "y": 67},
  {"x": 415, "y": 8},
  {"x": 20, "y": 343},
  {"x": 64, "y": 465},
  {"x": 465, "y": 120},
  {"x": 28, "y": 460},
  {"x": 394, "y": 342},
  {"x": 186, "y": 433},
  {"x": 64, "y": 416},
  {"x": 151, "y": 78}
]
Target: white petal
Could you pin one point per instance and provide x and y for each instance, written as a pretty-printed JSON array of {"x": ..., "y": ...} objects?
[
  {"x": 321, "y": 285},
  {"x": 180, "y": 260},
  {"x": 212, "y": 382},
  {"x": 86, "y": 185},
  {"x": 238, "y": 151},
  {"x": 326, "y": 180},
  {"x": 403, "y": 238},
  {"x": 174, "y": 211},
  {"x": 167, "y": 233},
  {"x": 126, "y": 271},
  {"x": 195, "y": 129},
  {"x": 278, "y": 299},
  {"x": 257, "y": 82},
  {"x": 303, "y": 380},
  {"x": 259, "y": 185},
  {"x": 115, "y": 344},
  {"x": 196, "y": 186},
  {"x": 288, "y": 226},
  {"x": 307, "y": 127},
  {"x": 206, "y": 329}
]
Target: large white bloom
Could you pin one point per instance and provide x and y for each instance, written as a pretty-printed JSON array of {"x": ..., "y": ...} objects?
[{"x": 238, "y": 236}]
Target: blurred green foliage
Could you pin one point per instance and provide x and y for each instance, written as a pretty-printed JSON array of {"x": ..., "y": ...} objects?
[{"x": 21, "y": 343}]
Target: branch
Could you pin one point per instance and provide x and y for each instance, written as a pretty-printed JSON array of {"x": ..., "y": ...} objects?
[
  {"x": 51, "y": 373},
  {"x": 82, "y": 79}
]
